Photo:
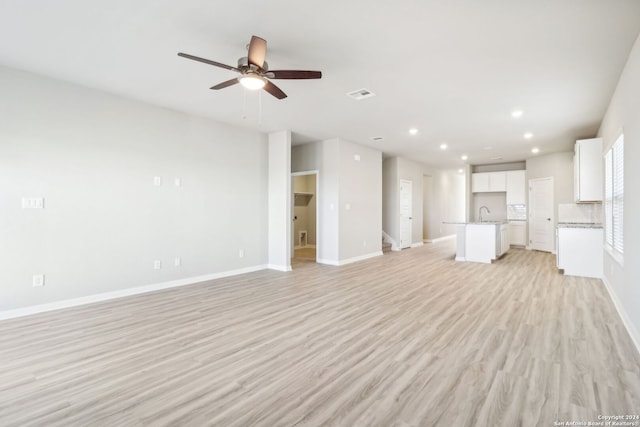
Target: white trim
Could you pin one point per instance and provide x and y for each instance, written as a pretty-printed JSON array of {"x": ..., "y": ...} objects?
[
  {"x": 633, "y": 332},
  {"x": 388, "y": 239},
  {"x": 440, "y": 239},
  {"x": 327, "y": 261},
  {"x": 350, "y": 260},
  {"x": 90, "y": 299},
  {"x": 417, "y": 245},
  {"x": 279, "y": 267},
  {"x": 360, "y": 258}
]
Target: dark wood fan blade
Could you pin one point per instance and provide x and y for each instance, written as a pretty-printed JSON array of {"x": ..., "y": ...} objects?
[
  {"x": 257, "y": 51},
  {"x": 208, "y": 61},
  {"x": 294, "y": 74},
  {"x": 225, "y": 84},
  {"x": 274, "y": 90}
]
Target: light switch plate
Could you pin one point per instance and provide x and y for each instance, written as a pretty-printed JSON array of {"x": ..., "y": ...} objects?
[
  {"x": 33, "y": 203},
  {"x": 38, "y": 280}
]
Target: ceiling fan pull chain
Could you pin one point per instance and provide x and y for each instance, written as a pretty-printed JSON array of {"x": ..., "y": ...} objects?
[
  {"x": 244, "y": 105},
  {"x": 260, "y": 107}
]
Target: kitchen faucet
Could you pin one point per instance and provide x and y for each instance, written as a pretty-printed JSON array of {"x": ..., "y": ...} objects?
[{"x": 480, "y": 211}]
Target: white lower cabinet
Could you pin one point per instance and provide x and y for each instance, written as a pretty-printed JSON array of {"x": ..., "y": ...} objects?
[
  {"x": 483, "y": 242},
  {"x": 518, "y": 233},
  {"x": 580, "y": 251},
  {"x": 503, "y": 233}
]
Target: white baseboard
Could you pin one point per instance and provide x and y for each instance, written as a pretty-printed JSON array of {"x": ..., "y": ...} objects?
[
  {"x": 631, "y": 329},
  {"x": 327, "y": 261},
  {"x": 440, "y": 239},
  {"x": 350, "y": 260},
  {"x": 90, "y": 299},
  {"x": 279, "y": 267},
  {"x": 417, "y": 245}
]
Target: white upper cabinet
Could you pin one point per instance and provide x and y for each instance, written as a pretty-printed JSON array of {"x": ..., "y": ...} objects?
[
  {"x": 480, "y": 182},
  {"x": 516, "y": 193},
  {"x": 497, "y": 181},
  {"x": 587, "y": 170},
  {"x": 487, "y": 182}
]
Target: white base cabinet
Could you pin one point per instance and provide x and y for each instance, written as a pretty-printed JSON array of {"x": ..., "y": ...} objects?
[
  {"x": 518, "y": 233},
  {"x": 580, "y": 251},
  {"x": 483, "y": 242}
]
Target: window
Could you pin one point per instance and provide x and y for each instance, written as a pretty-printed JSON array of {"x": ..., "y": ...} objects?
[{"x": 614, "y": 196}]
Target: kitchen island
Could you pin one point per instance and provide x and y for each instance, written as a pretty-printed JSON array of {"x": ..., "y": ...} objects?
[{"x": 481, "y": 241}]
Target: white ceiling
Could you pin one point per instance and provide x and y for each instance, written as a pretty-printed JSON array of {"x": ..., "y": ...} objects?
[{"x": 453, "y": 69}]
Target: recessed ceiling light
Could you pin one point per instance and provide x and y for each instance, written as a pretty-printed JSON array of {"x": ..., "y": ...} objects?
[
  {"x": 443, "y": 146},
  {"x": 464, "y": 157},
  {"x": 535, "y": 150},
  {"x": 528, "y": 135},
  {"x": 516, "y": 113},
  {"x": 496, "y": 158},
  {"x": 460, "y": 171},
  {"x": 488, "y": 148},
  {"x": 413, "y": 131}
]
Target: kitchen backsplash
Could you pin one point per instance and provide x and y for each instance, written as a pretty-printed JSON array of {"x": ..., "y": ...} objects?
[
  {"x": 571, "y": 212},
  {"x": 517, "y": 212}
]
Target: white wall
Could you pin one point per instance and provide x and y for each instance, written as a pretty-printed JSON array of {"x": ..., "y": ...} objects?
[
  {"x": 391, "y": 200},
  {"x": 279, "y": 191},
  {"x": 349, "y": 195},
  {"x": 447, "y": 199},
  {"x": 93, "y": 157},
  {"x": 560, "y": 167},
  {"x": 360, "y": 201},
  {"x": 624, "y": 113}
]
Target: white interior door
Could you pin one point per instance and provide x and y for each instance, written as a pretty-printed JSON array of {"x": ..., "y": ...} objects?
[
  {"x": 541, "y": 233},
  {"x": 406, "y": 207}
]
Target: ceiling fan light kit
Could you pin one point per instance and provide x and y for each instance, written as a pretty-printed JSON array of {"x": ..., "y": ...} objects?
[
  {"x": 252, "y": 81},
  {"x": 254, "y": 70}
]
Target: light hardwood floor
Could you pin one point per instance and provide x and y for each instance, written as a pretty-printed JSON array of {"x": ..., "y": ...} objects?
[{"x": 407, "y": 339}]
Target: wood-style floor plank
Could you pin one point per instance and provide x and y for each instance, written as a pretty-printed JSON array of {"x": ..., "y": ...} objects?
[{"x": 408, "y": 339}]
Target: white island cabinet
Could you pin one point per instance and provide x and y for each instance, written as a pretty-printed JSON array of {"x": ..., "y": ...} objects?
[{"x": 482, "y": 241}]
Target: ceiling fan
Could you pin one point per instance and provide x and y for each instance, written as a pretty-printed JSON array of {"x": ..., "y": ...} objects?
[{"x": 254, "y": 70}]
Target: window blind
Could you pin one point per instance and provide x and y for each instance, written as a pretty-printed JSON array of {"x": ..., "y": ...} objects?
[{"x": 614, "y": 195}]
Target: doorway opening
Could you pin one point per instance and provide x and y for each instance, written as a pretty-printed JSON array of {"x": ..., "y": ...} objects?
[{"x": 305, "y": 216}]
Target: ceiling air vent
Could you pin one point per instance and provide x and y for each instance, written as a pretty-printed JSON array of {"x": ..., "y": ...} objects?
[{"x": 361, "y": 94}]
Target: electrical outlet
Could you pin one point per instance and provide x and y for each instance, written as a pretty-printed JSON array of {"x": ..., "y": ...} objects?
[
  {"x": 177, "y": 182},
  {"x": 241, "y": 253},
  {"x": 157, "y": 264},
  {"x": 33, "y": 203},
  {"x": 177, "y": 262},
  {"x": 364, "y": 243},
  {"x": 38, "y": 280},
  {"x": 157, "y": 181}
]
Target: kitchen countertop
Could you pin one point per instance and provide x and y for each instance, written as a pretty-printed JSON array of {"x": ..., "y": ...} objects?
[{"x": 579, "y": 225}]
